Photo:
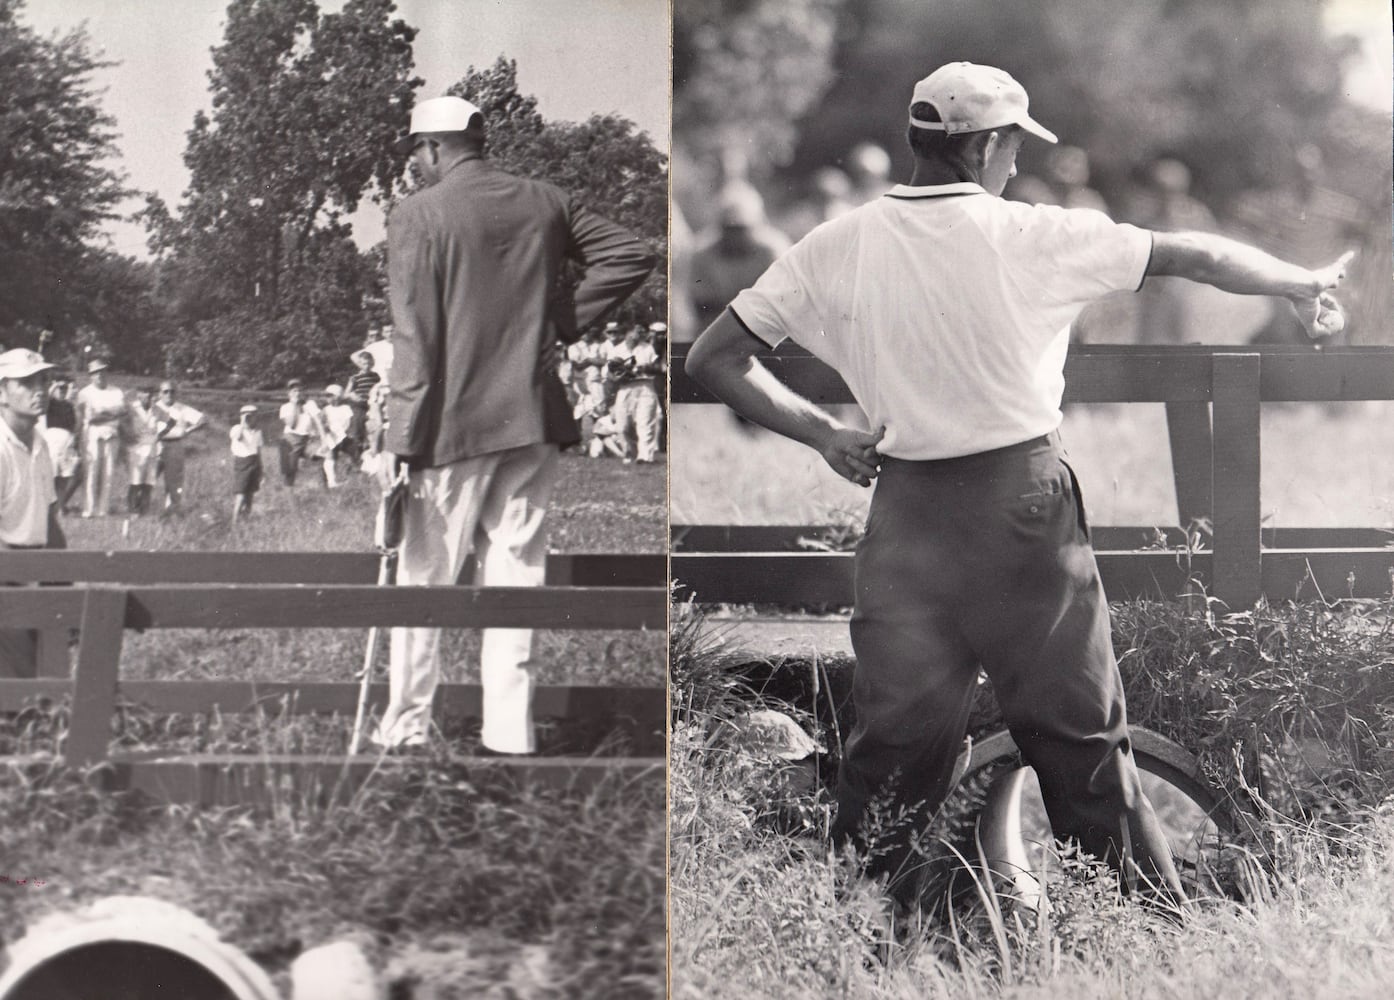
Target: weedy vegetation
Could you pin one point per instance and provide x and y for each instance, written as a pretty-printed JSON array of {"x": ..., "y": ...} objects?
[
  {"x": 1288, "y": 708},
  {"x": 454, "y": 890}
]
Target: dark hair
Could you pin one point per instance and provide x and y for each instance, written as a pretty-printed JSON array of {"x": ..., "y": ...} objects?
[
  {"x": 962, "y": 151},
  {"x": 469, "y": 140}
]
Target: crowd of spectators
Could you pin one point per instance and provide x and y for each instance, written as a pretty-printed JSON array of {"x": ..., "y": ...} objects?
[{"x": 100, "y": 438}]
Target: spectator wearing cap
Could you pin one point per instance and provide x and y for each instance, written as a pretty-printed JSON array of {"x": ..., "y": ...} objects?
[
  {"x": 100, "y": 409},
  {"x": 635, "y": 367},
  {"x": 28, "y": 501},
  {"x": 475, "y": 409},
  {"x": 246, "y": 442},
  {"x": 302, "y": 429},
  {"x": 587, "y": 358},
  {"x": 60, "y": 433},
  {"x": 338, "y": 439},
  {"x": 658, "y": 337},
  {"x": 612, "y": 349},
  {"x": 178, "y": 420},
  {"x": 743, "y": 245},
  {"x": 142, "y": 449}
]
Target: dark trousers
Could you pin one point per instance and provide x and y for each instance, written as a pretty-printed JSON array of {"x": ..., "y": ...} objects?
[
  {"x": 985, "y": 561},
  {"x": 292, "y": 451}
]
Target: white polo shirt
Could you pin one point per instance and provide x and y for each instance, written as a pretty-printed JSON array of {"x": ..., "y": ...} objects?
[
  {"x": 26, "y": 489},
  {"x": 946, "y": 310}
]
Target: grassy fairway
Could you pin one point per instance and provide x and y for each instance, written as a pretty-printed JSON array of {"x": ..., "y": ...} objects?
[{"x": 450, "y": 889}]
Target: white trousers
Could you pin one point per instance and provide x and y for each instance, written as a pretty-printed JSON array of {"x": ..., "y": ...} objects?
[
  {"x": 492, "y": 510},
  {"x": 101, "y": 452},
  {"x": 639, "y": 416},
  {"x": 140, "y": 461}
]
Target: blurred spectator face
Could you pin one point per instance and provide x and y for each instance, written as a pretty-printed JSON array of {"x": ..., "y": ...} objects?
[
  {"x": 145, "y": 397},
  {"x": 740, "y": 211},
  {"x": 634, "y": 336},
  {"x": 614, "y": 334},
  {"x": 1171, "y": 176},
  {"x": 1069, "y": 166},
  {"x": 831, "y": 185},
  {"x": 59, "y": 389},
  {"x": 868, "y": 163}
]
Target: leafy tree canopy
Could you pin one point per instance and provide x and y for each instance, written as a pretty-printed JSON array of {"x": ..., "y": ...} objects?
[
  {"x": 56, "y": 189},
  {"x": 261, "y": 274}
]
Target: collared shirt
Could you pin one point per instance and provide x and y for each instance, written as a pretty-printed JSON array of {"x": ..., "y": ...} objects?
[
  {"x": 245, "y": 442},
  {"x": 101, "y": 406},
  {"x": 304, "y": 422},
  {"x": 181, "y": 417},
  {"x": 26, "y": 489},
  {"x": 583, "y": 356},
  {"x": 946, "y": 310},
  {"x": 644, "y": 356},
  {"x": 145, "y": 424}
]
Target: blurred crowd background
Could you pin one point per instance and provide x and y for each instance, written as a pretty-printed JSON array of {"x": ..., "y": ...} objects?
[{"x": 1254, "y": 118}]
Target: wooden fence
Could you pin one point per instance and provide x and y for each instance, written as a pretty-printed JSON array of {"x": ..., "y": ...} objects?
[
  {"x": 118, "y": 591},
  {"x": 1213, "y": 397}
]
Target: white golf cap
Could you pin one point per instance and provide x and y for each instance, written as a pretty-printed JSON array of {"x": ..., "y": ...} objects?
[
  {"x": 439, "y": 114},
  {"x": 973, "y": 98},
  {"x": 21, "y": 363}
]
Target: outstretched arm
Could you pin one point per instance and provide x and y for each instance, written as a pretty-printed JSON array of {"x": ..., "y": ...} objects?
[
  {"x": 1237, "y": 267},
  {"x": 724, "y": 360}
]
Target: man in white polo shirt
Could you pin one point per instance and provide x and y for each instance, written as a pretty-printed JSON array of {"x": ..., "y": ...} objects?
[
  {"x": 28, "y": 503},
  {"x": 947, "y": 309}
]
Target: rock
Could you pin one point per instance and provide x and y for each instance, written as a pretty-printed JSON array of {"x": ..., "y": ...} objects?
[{"x": 335, "y": 971}]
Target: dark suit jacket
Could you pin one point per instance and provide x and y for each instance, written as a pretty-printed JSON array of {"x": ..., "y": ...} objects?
[{"x": 473, "y": 266}]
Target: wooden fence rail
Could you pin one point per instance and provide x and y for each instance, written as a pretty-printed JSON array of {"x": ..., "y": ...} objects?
[
  {"x": 101, "y": 613},
  {"x": 1213, "y": 397}
]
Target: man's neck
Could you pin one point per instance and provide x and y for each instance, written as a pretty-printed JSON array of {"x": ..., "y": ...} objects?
[
  {"x": 453, "y": 160},
  {"x": 22, "y": 424},
  {"x": 929, "y": 173}
]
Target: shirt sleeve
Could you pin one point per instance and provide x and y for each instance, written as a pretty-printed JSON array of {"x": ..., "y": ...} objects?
[
  {"x": 781, "y": 304},
  {"x": 1084, "y": 254}
]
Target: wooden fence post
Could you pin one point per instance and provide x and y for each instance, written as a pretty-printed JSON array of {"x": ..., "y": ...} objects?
[
  {"x": 94, "y": 686},
  {"x": 1235, "y": 478}
]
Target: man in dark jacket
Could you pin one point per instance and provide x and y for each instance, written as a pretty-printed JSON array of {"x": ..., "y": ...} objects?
[{"x": 476, "y": 410}]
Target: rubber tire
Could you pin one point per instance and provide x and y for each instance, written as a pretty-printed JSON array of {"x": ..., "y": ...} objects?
[{"x": 999, "y": 829}]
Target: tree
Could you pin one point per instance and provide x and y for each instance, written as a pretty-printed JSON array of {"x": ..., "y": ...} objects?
[
  {"x": 745, "y": 72},
  {"x": 265, "y": 280},
  {"x": 56, "y": 190},
  {"x": 1232, "y": 87},
  {"x": 605, "y": 162}
]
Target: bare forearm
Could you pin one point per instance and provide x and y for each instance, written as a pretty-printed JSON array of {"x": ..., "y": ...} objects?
[
  {"x": 1231, "y": 266},
  {"x": 724, "y": 361}
]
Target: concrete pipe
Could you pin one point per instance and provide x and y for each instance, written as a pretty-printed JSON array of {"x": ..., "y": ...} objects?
[{"x": 129, "y": 948}]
